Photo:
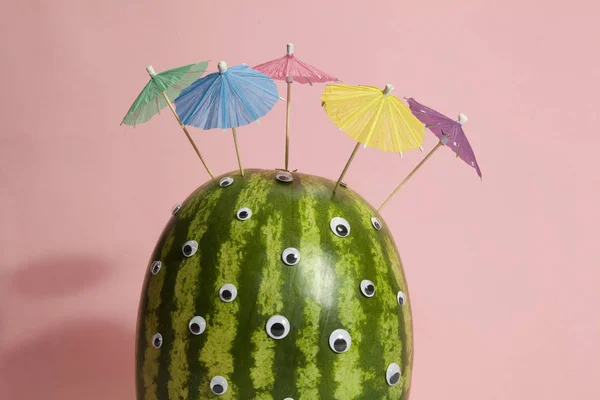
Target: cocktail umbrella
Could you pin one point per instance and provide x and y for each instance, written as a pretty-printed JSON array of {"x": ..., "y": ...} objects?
[
  {"x": 373, "y": 117},
  {"x": 159, "y": 91},
  {"x": 229, "y": 98},
  {"x": 449, "y": 131},
  {"x": 291, "y": 69}
]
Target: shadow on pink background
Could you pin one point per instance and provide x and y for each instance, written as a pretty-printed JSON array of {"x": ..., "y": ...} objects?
[
  {"x": 503, "y": 273},
  {"x": 60, "y": 354}
]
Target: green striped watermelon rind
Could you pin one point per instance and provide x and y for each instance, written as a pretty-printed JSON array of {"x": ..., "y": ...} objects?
[{"x": 165, "y": 373}]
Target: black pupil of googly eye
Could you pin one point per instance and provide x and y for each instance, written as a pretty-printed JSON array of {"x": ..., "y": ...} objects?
[
  {"x": 401, "y": 301},
  {"x": 243, "y": 214},
  {"x": 291, "y": 258},
  {"x": 226, "y": 294},
  {"x": 155, "y": 268},
  {"x": 195, "y": 328},
  {"x": 187, "y": 249},
  {"x": 370, "y": 289},
  {"x": 277, "y": 329},
  {"x": 218, "y": 389},
  {"x": 377, "y": 225},
  {"x": 342, "y": 230},
  {"x": 340, "y": 345},
  {"x": 395, "y": 378},
  {"x": 157, "y": 342}
]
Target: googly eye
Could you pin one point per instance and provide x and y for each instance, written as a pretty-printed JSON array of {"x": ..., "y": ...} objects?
[
  {"x": 189, "y": 248},
  {"x": 176, "y": 208},
  {"x": 197, "y": 325},
  {"x": 340, "y": 341},
  {"x": 278, "y": 327},
  {"x": 228, "y": 292},
  {"x": 218, "y": 385},
  {"x": 290, "y": 256},
  {"x": 376, "y": 223},
  {"x": 284, "y": 176},
  {"x": 157, "y": 340},
  {"x": 401, "y": 297},
  {"x": 340, "y": 226},
  {"x": 367, "y": 288},
  {"x": 393, "y": 373},
  {"x": 244, "y": 214},
  {"x": 224, "y": 182},
  {"x": 155, "y": 267}
]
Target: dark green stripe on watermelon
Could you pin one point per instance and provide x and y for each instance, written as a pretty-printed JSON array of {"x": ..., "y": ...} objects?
[
  {"x": 275, "y": 236},
  {"x": 387, "y": 288},
  {"x": 288, "y": 195},
  {"x": 176, "y": 313},
  {"x": 361, "y": 244},
  {"x": 308, "y": 374},
  {"x": 248, "y": 319},
  {"x": 351, "y": 371},
  {"x": 207, "y": 296},
  {"x": 144, "y": 330},
  {"x": 405, "y": 323},
  {"x": 190, "y": 275},
  {"x": 216, "y": 354}
]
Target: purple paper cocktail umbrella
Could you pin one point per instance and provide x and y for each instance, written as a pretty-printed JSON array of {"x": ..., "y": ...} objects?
[
  {"x": 450, "y": 133},
  {"x": 441, "y": 125}
]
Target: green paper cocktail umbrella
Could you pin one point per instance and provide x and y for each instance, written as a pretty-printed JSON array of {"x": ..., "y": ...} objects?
[{"x": 159, "y": 93}]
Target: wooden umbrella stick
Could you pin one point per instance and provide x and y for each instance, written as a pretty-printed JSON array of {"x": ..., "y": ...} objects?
[
  {"x": 237, "y": 152},
  {"x": 187, "y": 134},
  {"x": 346, "y": 167},
  {"x": 437, "y": 146},
  {"x": 287, "y": 125}
]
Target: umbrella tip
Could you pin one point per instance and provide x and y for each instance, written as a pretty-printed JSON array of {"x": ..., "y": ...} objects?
[
  {"x": 388, "y": 90},
  {"x": 222, "y": 65},
  {"x": 150, "y": 70},
  {"x": 290, "y": 49},
  {"x": 462, "y": 118}
]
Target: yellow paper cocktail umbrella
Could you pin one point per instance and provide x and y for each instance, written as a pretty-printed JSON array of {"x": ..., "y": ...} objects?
[{"x": 373, "y": 117}]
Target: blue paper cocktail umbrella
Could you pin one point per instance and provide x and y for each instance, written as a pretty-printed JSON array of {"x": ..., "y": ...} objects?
[{"x": 227, "y": 99}]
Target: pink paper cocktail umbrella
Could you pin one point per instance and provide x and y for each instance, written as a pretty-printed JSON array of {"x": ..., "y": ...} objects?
[{"x": 291, "y": 69}]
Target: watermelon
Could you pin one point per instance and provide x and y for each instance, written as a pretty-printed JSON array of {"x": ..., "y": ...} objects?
[{"x": 265, "y": 286}]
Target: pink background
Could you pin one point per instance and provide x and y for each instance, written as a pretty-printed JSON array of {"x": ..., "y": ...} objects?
[{"x": 503, "y": 273}]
